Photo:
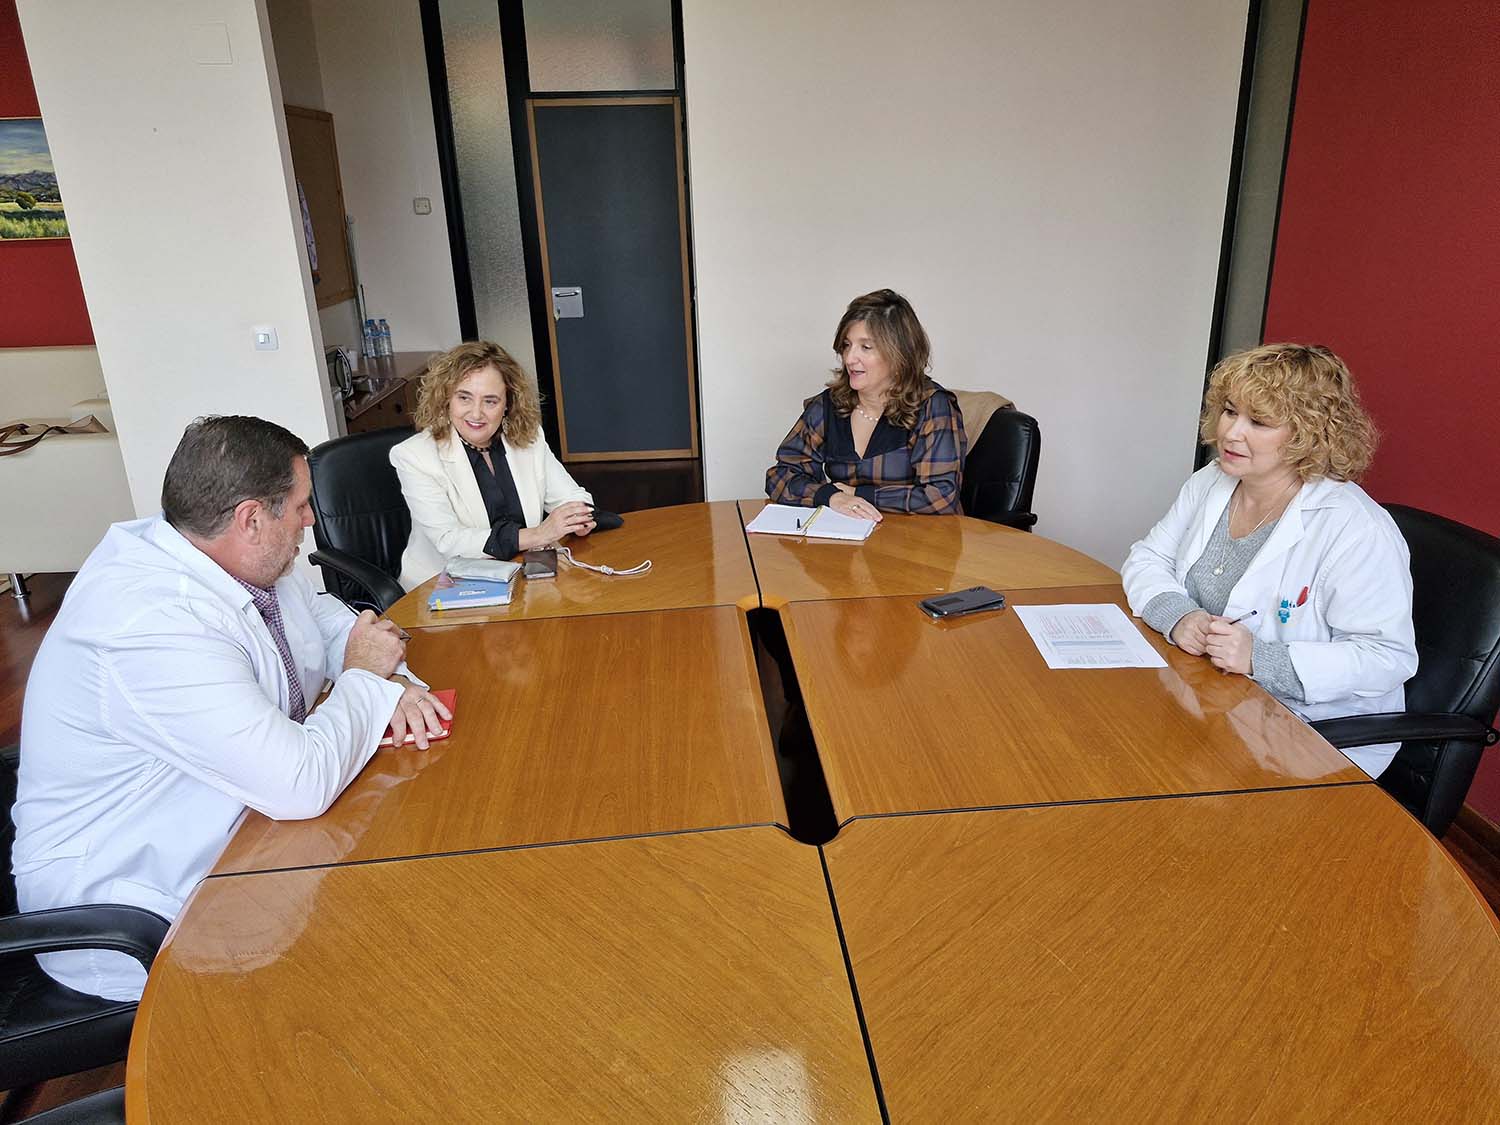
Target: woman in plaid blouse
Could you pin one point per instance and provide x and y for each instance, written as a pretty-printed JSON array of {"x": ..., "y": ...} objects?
[{"x": 882, "y": 436}]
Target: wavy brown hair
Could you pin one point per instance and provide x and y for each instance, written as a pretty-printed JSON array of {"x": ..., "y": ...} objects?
[
  {"x": 903, "y": 344},
  {"x": 1306, "y": 388},
  {"x": 523, "y": 411}
]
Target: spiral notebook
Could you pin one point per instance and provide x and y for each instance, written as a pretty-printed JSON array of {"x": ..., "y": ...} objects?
[{"x": 810, "y": 523}]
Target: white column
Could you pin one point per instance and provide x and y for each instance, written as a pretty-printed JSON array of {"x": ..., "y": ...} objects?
[{"x": 167, "y": 133}]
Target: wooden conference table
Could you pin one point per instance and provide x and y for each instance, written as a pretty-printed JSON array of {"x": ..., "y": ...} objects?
[{"x": 1119, "y": 893}]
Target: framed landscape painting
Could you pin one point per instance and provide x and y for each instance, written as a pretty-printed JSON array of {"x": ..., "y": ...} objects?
[{"x": 30, "y": 206}]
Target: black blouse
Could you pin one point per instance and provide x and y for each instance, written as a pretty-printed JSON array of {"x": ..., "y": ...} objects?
[{"x": 502, "y": 503}]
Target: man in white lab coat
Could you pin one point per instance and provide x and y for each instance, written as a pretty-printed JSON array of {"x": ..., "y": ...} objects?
[{"x": 172, "y": 691}]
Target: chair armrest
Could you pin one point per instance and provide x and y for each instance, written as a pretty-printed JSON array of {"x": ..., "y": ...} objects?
[
  {"x": 1022, "y": 521},
  {"x": 124, "y": 929},
  {"x": 1398, "y": 726},
  {"x": 383, "y": 589}
]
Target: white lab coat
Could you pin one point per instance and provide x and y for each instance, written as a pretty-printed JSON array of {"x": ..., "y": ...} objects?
[
  {"x": 447, "y": 510},
  {"x": 156, "y": 711},
  {"x": 1351, "y": 642}
]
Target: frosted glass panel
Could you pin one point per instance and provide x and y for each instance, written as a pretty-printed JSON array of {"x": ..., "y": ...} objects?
[
  {"x": 487, "y": 174},
  {"x": 600, "y": 44}
]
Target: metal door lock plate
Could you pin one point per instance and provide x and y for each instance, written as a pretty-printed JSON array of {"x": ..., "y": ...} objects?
[{"x": 567, "y": 302}]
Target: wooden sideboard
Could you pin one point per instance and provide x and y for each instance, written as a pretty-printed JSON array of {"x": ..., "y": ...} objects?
[{"x": 385, "y": 391}]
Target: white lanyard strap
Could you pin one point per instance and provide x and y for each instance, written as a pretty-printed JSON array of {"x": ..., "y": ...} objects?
[{"x": 565, "y": 554}]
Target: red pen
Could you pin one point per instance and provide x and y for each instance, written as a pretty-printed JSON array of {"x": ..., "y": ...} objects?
[{"x": 1302, "y": 597}]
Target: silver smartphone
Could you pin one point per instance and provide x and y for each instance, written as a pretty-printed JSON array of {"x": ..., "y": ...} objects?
[{"x": 541, "y": 563}]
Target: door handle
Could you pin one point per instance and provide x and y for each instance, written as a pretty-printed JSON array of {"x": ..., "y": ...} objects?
[{"x": 567, "y": 302}]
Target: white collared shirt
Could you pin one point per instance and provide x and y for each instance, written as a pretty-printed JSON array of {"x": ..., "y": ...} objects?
[{"x": 156, "y": 711}]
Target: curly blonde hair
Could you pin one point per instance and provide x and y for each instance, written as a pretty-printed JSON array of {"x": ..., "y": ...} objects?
[
  {"x": 903, "y": 344},
  {"x": 1306, "y": 388},
  {"x": 523, "y": 411}
]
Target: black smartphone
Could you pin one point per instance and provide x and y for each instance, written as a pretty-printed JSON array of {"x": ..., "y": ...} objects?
[
  {"x": 541, "y": 563},
  {"x": 976, "y": 599}
]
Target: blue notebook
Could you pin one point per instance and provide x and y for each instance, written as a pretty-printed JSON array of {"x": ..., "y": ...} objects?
[{"x": 466, "y": 593}]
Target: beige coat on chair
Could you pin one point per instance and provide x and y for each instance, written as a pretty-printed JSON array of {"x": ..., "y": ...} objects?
[{"x": 447, "y": 510}]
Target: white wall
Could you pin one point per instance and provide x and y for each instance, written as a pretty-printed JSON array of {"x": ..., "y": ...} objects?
[
  {"x": 180, "y": 201},
  {"x": 1044, "y": 179},
  {"x": 374, "y": 76},
  {"x": 44, "y": 382},
  {"x": 296, "y": 47},
  {"x": 295, "y": 37}
]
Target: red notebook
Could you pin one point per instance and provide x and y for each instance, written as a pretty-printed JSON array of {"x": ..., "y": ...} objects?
[{"x": 448, "y": 697}]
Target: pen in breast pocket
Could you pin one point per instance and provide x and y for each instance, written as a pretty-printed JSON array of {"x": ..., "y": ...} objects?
[{"x": 1245, "y": 616}]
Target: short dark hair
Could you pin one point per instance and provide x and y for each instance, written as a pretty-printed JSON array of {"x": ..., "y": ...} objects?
[{"x": 223, "y": 461}]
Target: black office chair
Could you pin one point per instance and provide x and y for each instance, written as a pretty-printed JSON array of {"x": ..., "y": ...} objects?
[
  {"x": 107, "y": 1107},
  {"x": 1000, "y": 471},
  {"x": 1452, "y": 700},
  {"x": 362, "y": 520},
  {"x": 46, "y": 1029}
]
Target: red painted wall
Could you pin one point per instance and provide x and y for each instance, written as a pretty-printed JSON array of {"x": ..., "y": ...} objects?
[
  {"x": 41, "y": 298},
  {"x": 1388, "y": 249}
]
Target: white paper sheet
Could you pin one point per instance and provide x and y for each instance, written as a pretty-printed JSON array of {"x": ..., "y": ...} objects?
[{"x": 1087, "y": 636}]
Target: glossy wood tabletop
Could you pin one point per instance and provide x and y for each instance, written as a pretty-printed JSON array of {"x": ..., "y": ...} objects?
[
  {"x": 910, "y": 713},
  {"x": 1297, "y": 955},
  {"x": 674, "y": 978},
  {"x": 914, "y": 555},
  {"x": 698, "y": 558},
  {"x": 566, "y": 729}
]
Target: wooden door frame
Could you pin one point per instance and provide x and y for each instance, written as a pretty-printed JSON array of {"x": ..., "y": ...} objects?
[{"x": 689, "y": 349}]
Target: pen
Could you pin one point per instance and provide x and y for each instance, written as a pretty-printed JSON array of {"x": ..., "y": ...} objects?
[
  {"x": 1245, "y": 616},
  {"x": 400, "y": 632}
]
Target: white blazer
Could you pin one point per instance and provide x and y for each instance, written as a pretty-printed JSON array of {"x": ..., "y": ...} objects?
[
  {"x": 447, "y": 509},
  {"x": 1351, "y": 641}
]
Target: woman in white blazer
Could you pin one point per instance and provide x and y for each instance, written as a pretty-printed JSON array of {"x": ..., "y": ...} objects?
[
  {"x": 1272, "y": 562},
  {"x": 478, "y": 476}
]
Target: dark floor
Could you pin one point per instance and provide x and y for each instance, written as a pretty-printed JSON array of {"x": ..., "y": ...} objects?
[
  {"x": 21, "y": 1104},
  {"x": 631, "y": 486},
  {"x": 22, "y": 625}
]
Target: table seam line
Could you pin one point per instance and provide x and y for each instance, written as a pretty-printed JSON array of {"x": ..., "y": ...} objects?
[
  {"x": 1127, "y": 799},
  {"x": 859, "y": 1011},
  {"x": 532, "y": 846}
]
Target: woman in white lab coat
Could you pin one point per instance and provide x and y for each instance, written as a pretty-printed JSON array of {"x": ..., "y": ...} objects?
[{"x": 1272, "y": 562}]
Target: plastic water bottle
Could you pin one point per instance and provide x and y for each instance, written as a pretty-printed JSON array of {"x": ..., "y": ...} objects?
[
  {"x": 383, "y": 341},
  {"x": 367, "y": 345}
]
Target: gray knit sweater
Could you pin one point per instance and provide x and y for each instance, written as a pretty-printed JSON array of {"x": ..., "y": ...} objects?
[{"x": 1209, "y": 583}]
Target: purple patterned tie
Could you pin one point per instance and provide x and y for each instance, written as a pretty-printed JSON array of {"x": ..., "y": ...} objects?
[{"x": 270, "y": 611}]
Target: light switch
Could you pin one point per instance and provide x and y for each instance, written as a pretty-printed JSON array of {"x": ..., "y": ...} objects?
[
  {"x": 265, "y": 338},
  {"x": 421, "y": 205}
]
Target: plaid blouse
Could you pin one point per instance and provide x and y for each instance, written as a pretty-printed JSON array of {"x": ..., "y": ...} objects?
[{"x": 915, "y": 470}]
